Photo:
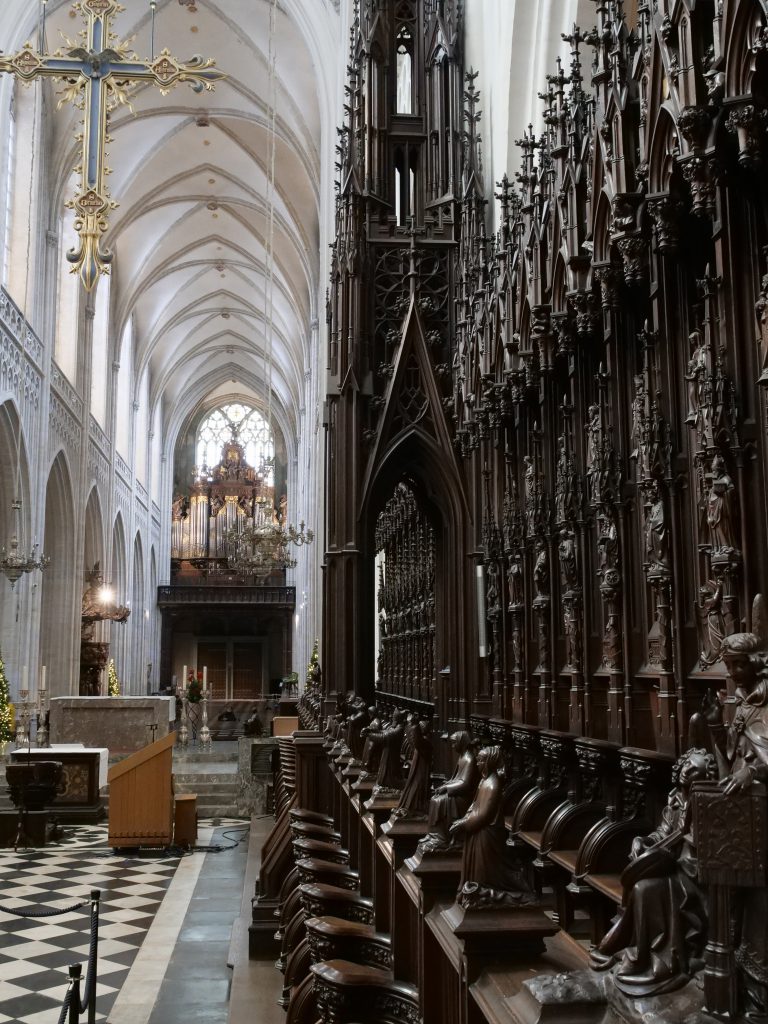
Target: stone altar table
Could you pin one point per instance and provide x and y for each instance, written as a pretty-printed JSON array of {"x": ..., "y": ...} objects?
[{"x": 122, "y": 724}]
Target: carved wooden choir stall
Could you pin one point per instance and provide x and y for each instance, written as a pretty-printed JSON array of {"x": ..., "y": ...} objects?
[{"x": 531, "y": 780}]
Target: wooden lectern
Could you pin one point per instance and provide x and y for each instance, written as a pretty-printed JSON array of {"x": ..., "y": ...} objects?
[{"x": 141, "y": 797}]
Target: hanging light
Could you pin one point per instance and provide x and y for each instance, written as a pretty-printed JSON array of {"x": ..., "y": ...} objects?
[{"x": 14, "y": 565}]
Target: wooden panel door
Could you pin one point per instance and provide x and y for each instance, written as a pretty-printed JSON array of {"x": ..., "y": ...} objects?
[
  {"x": 246, "y": 671},
  {"x": 213, "y": 655}
]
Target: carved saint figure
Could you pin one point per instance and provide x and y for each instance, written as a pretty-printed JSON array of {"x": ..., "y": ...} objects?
[
  {"x": 656, "y": 531},
  {"x": 389, "y": 778},
  {"x": 720, "y": 508},
  {"x": 414, "y": 799},
  {"x": 711, "y": 622},
  {"x": 697, "y": 368},
  {"x": 567, "y": 552},
  {"x": 541, "y": 570},
  {"x": 746, "y": 658},
  {"x": 515, "y": 579},
  {"x": 371, "y": 751},
  {"x": 658, "y": 942},
  {"x": 451, "y": 799},
  {"x": 638, "y": 417},
  {"x": 490, "y": 877},
  {"x": 357, "y": 721},
  {"x": 593, "y": 438}
]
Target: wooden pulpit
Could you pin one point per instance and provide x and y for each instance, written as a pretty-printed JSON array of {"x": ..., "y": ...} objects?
[{"x": 141, "y": 797}]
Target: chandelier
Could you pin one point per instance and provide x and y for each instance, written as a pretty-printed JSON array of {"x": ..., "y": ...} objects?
[
  {"x": 14, "y": 565},
  {"x": 263, "y": 548}
]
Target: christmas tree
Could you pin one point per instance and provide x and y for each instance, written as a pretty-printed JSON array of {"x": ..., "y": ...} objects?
[
  {"x": 6, "y": 713},
  {"x": 113, "y": 683},
  {"x": 313, "y": 668}
]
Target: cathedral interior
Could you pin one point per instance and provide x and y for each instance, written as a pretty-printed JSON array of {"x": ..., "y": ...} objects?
[{"x": 395, "y": 375}]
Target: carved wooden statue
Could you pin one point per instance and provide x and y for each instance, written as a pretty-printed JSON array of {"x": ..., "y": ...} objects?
[
  {"x": 490, "y": 876},
  {"x": 389, "y": 739},
  {"x": 414, "y": 799},
  {"x": 658, "y": 942},
  {"x": 451, "y": 800}
]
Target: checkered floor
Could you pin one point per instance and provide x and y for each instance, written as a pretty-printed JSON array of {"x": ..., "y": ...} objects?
[{"x": 35, "y": 954}]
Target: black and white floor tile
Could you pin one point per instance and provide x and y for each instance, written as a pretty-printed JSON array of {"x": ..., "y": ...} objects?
[{"x": 35, "y": 954}]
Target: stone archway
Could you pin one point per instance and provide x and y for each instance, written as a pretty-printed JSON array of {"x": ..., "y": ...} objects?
[
  {"x": 135, "y": 681},
  {"x": 61, "y": 584},
  {"x": 118, "y": 581},
  {"x": 14, "y": 604}
]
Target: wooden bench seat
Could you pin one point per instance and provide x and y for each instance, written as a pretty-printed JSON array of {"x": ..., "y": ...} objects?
[
  {"x": 564, "y": 859},
  {"x": 607, "y": 885}
]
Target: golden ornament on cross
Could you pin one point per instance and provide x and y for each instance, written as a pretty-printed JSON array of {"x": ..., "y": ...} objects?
[{"x": 97, "y": 75}]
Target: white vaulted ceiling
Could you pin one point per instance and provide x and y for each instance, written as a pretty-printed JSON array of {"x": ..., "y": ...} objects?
[{"x": 190, "y": 176}]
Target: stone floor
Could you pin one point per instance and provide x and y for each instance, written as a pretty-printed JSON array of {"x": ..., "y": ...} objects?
[{"x": 166, "y": 937}]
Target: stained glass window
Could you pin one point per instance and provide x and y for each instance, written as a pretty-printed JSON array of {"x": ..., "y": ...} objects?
[{"x": 241, "y": 423}]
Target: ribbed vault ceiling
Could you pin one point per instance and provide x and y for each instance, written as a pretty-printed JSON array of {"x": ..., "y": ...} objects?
[{"x": 190, "y": 174}]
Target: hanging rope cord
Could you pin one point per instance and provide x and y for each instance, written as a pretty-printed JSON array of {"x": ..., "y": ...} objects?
[{"x": 270, "y": 255}]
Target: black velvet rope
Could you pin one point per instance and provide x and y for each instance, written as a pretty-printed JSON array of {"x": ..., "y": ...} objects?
[{"x": 18, "y": 912}]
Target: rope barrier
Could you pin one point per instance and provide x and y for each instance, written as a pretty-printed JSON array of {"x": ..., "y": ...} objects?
[{"x": 19, "y": 912}]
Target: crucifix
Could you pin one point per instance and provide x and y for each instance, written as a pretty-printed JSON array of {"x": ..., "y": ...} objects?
[{"x": 97, "y": 76}]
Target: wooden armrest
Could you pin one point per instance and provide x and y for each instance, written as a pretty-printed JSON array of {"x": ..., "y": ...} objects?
[
  {"x": 304, "y": 814},
  {"x": 311, "y": 869},
  {"x": 317, "y": 848}
]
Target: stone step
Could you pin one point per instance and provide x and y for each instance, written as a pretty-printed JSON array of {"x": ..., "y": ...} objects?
[
  {"x": 206, "y": 786},
  {"x": 203, "y": 757}
]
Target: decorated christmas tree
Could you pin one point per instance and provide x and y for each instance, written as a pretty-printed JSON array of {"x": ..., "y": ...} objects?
[
  {"x": 6, "y": 712},
  {"x": 313, "y": 668},
  {"x": 113, "y": 683}
]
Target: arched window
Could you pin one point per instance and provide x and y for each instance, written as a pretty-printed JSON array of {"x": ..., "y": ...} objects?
[
  {"x": 10, "y": 172},
  {"x": 404, "y": 99},
  {"x": 241, "y": 423}
]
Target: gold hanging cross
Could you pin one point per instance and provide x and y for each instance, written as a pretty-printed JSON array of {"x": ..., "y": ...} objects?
[{"x": 97, "y": 76}]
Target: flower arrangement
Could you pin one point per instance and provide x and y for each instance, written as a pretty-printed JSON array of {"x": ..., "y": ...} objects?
[{"x": 194, "y": 687}]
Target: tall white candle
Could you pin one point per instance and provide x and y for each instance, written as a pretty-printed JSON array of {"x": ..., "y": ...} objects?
[
  {"x": 25, "y": 680},
  {"x": 42, "y": 679},
  {"x": 205, "y": 677},
  {"x": 184, "y": 679}
]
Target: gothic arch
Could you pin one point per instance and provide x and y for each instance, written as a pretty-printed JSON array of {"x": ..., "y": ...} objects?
[
  {"x": 62, "y": 583},
  {"x": 119, "y": 583},
  {"x": 430, "y": 472},
  {"x": 11, "y": 601},
  {"x": 93, "y": 550},
  {"x": 135, "y": 683}
]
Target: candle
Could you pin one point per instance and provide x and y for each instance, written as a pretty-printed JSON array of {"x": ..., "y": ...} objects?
[
  {"x": 42, "y": 680},
  {"x": 184, "y": 678},
  {"x": 25, "y": 682},
  {"x": 205, "y": 677}
]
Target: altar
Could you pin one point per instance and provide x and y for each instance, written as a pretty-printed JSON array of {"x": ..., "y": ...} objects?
[
  {"x": 121, "y": 724},
  {"x": 84, "y": 775}
]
